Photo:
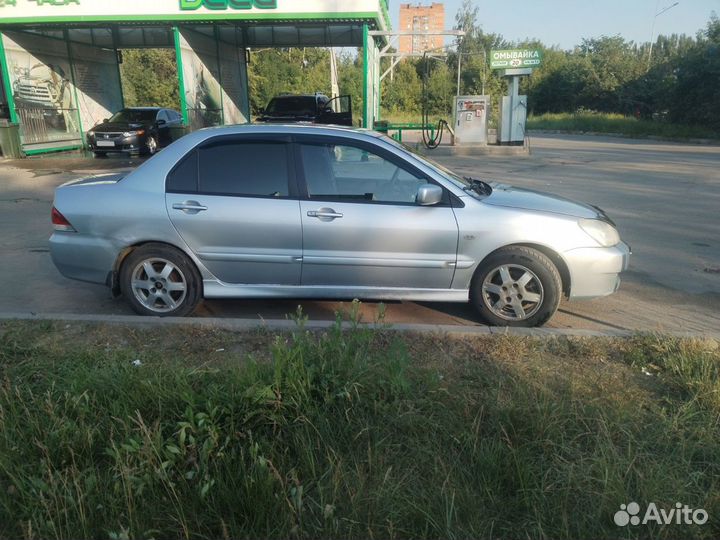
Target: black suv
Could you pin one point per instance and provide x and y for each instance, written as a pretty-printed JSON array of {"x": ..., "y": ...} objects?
[{"x": 315, "y": 108}]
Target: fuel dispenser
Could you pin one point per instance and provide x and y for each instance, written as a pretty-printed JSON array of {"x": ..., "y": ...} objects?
[
  {"x": 471, "y": 115},
  {"x": 513, "y": 109}
]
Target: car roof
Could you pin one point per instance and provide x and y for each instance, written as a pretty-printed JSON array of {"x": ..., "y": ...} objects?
[
  {"x": 285, "y": 96},
  {"x": 299, "y": 128}
]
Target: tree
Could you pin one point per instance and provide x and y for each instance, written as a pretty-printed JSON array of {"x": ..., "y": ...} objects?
[
  {"x": 292, "y": 70},
  {"x": 350, "y": 81},
  {"x": 404, "y": 93},
  {"x": 697, "y": 92},
  {"x": 476, "y": 77},
  {"x": 150, "y": 78},
  {"x": 608, "y": 74}
]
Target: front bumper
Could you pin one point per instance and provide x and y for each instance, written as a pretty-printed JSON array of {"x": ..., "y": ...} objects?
[
  {"x": 131, "y": 144},
  {"x": 596, "y": 271}
]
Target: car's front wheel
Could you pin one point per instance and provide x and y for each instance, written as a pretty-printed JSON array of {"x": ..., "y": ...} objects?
[
  {"x": 151, "y": 145},
  {"x": 516, "y": 286},
  {"x": 160, "y": 280}
]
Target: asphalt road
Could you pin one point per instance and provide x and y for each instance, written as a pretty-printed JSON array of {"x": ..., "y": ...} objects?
[{"x": 664, "y": 197}]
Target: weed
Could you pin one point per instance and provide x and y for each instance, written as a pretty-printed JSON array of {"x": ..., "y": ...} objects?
[{"x": 350, "y": 432}]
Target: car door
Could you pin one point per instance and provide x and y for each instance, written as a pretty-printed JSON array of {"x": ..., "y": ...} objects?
[
  {"x": 337, "y": 111},
  {"x": 361, "y": 224},
  {"x": 234, "y": 202},
  {"x": 163, "y": 127},
  {"x": 174, "y": 117}
]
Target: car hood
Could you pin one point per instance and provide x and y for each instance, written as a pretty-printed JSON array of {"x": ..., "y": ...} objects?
[
  {"x": 118, "y": 126},
  {"x": 528, "y": 199}
]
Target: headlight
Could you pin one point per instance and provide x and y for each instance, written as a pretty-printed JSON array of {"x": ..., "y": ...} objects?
[
  {"x": 128, "y": 133},
  {"x": 603, "y": 233},
  {"x": 91, "y": 133}
]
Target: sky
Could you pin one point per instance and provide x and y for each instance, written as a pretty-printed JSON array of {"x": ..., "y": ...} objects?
[{"x": 566, "y": 22}]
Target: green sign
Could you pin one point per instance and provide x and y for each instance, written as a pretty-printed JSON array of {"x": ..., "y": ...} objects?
[
  {"x": 227, "y": 4},
  {"x": 4, "y": 3},
  {"x": 515, "y": 58}
]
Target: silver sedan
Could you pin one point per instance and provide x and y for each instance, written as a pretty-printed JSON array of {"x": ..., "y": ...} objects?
[{"x": 323, "y": 212}]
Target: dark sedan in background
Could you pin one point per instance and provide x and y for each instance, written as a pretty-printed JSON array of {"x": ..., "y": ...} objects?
[{"x": 136, "y": 130}]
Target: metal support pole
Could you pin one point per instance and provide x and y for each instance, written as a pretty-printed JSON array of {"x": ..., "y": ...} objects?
[
  {"x": 395, "y": 62},
  {"x": 514, "y": 97},
  {"x": 458, "y": 73},
  {"x": 484, "y": 72},
  {"x": 366, "y": 67}
]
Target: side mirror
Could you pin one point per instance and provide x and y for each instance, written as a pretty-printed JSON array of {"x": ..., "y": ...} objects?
[
  {"x": 105, "y": 120},
  {"x": 261, "y": 111},
  {"x": 428, "y": 195}
]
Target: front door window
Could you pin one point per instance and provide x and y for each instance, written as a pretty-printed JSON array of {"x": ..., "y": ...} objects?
[{"x": 346, "y": 173}]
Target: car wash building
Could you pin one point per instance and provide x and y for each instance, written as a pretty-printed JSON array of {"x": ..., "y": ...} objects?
[{"x": 60, "y": 63}]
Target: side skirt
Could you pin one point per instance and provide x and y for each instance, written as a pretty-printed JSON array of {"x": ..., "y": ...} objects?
[{"x": 215, "y": 289}]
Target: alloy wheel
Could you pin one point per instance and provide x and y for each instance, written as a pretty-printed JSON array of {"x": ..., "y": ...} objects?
[
  {"x": 512, "y": 292},
  {"x": 158, "y": 285},
  {"x": 151, "y": 145}
]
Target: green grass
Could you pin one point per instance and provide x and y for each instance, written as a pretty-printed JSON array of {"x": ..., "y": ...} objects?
[
  {"x": 617, "y": 124},
  {"x": 353, "y": 433},
  {"x": 402, "y": 117}
]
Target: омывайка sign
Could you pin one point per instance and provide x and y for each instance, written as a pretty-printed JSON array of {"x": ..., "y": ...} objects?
[{"x": 515, "y": 58}]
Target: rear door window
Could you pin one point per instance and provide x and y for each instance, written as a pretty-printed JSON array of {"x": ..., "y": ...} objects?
[
  {"x": 244, "y": 169},
  {"x": 183, "y": 178}
]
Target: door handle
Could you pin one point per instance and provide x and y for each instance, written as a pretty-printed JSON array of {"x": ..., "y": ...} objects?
[
  {"x": 189, "y": 207},
  {"x": 324, "y": 214}
]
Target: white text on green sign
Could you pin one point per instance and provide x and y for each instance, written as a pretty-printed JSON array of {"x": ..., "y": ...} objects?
[{"x": 515, "y": 58}]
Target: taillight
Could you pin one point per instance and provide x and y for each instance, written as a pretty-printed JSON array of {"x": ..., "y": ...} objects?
[{"x": 59, "y": 222}]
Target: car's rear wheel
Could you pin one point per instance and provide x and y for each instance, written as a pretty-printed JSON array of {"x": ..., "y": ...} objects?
[
  {"x": 160, "y": 280},
  {"x": 516, "y": 286}
]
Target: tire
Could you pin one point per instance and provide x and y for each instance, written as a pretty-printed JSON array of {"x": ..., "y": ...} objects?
[
  {"x": 172, "y": 290},
  {"x": 516, "y": 286},
  {"x": 151, "y": 145}
]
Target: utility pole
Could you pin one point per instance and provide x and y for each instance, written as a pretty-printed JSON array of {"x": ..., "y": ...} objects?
[
  {"x": 652, "y": 32},
  {"x": 334, "y": 87}
]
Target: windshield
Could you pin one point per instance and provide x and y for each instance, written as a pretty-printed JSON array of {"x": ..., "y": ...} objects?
[
  {"x": 133, "y": 116},
  {"x": 295, "y": 105},
  {"x": 463, "y": 182}
]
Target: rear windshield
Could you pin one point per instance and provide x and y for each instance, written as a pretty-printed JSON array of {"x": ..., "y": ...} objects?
[
  {"x": 133, "y": 116},
  {"x": 295, "y": 105}
]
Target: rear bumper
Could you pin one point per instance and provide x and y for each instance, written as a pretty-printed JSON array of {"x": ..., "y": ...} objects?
[
  {"x": 81, "y": 257},
  {"x": 596, "y": 271}
]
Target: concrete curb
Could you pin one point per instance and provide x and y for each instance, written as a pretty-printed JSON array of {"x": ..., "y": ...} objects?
[
  {"x": 465, "y": 151},
  {"x": 658, "y": 138},
  {"x": 286, "y": 325}
]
